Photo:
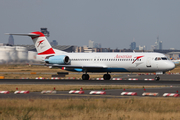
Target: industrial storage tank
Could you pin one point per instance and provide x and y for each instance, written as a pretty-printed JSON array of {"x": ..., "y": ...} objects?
[
  {"x": 12, "y": 52},
  {"x": 22, "y": 53},
  {"x": 4, "y": 55},
  {"x": 32, "y": 55}
]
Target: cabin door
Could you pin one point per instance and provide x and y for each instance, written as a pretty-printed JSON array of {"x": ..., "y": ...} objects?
[{"x": 148, "y": 62}]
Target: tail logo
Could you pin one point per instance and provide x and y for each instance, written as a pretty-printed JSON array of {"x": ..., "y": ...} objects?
[
  {"x": 138, "y": 57},
  {"x": 40, "y": 42}
]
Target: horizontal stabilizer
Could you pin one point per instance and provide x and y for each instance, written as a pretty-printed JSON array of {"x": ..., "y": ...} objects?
[{"x": 24, "y": 34}]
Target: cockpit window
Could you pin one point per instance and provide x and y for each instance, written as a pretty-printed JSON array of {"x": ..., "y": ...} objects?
[
  {"x": 157, "y": 58},
  {"x": 164, "y": 58},
  {"x": 161, "y": 58}
]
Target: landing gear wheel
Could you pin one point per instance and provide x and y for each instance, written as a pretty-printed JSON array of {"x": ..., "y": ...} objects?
[
  {"x": 107, "y": 76},
  {"x": 85, "y": 77},
  {"x": 157, "y": 78}
]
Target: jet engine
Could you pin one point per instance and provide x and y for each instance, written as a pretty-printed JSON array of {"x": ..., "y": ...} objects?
[{"x": 58, "y": 59}]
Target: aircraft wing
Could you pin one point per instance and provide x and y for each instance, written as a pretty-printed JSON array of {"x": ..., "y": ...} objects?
[{"x": 74, "y": 66}]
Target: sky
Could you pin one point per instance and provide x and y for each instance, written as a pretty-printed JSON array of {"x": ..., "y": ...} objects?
[{"x": 113, "y": 23}]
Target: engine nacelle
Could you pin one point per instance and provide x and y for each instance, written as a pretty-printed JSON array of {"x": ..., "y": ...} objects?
[{"x": 58, "y": 59}]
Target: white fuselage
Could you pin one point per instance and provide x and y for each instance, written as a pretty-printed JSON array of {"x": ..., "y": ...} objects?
[
  {"x": 99, "y": 62},
  {"x": 121, "y": 62}
]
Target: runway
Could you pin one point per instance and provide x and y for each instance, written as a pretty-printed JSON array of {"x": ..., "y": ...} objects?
[
  {"x": 88, "y": 82},
  {"x": 165, "y": 80},
  {"x": 171, "y": 80}
]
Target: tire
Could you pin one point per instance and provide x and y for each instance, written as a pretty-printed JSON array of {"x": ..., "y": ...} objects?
[
  {"x": 107, "y": 76},
  {"x": 157, "y": 78},
  {"x": 85, "y": 77}
]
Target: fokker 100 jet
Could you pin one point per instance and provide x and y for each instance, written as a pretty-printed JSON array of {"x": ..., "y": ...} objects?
[{"x": 99, "y": 62}]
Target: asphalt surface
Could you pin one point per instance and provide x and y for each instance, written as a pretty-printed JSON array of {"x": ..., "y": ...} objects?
[
  {"x": 171, "y": 81},
  {"x": 109, "y": 94},
  {"x": 88, "y": 82}
]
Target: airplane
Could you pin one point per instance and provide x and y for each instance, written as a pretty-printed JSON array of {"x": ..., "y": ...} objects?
[
  {"x": 99, "y": 62},
  {"x": 176, "y": 62}
]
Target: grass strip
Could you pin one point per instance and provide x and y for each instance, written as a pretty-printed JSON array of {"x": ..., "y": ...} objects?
[{"x": 90, "y": 109}]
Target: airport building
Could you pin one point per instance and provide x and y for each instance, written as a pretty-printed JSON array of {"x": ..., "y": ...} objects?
[
  {"x": 173, "y": 55},
  {"x": 45, "y": 32},
  {"x": 13, "y": 54}
]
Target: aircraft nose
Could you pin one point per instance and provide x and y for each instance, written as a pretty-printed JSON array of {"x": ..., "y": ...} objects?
[{"x": 171, "y": 66}]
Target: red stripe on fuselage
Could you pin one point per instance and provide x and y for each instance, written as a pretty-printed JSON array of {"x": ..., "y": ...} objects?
[{"x": 49, "y": 51}]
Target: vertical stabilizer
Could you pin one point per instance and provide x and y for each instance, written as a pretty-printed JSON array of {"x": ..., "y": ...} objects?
[{"x": 41, "y": 44}]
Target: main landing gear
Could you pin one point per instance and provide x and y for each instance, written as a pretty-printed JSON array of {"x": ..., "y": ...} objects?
[
  {"x": 157, "y": 78},
  {"x": 105, "y": 76},
  {"x": 85, "y": 76}
]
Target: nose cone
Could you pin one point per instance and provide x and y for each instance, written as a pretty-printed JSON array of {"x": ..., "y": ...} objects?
[{"x": 170, "y": 65}]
